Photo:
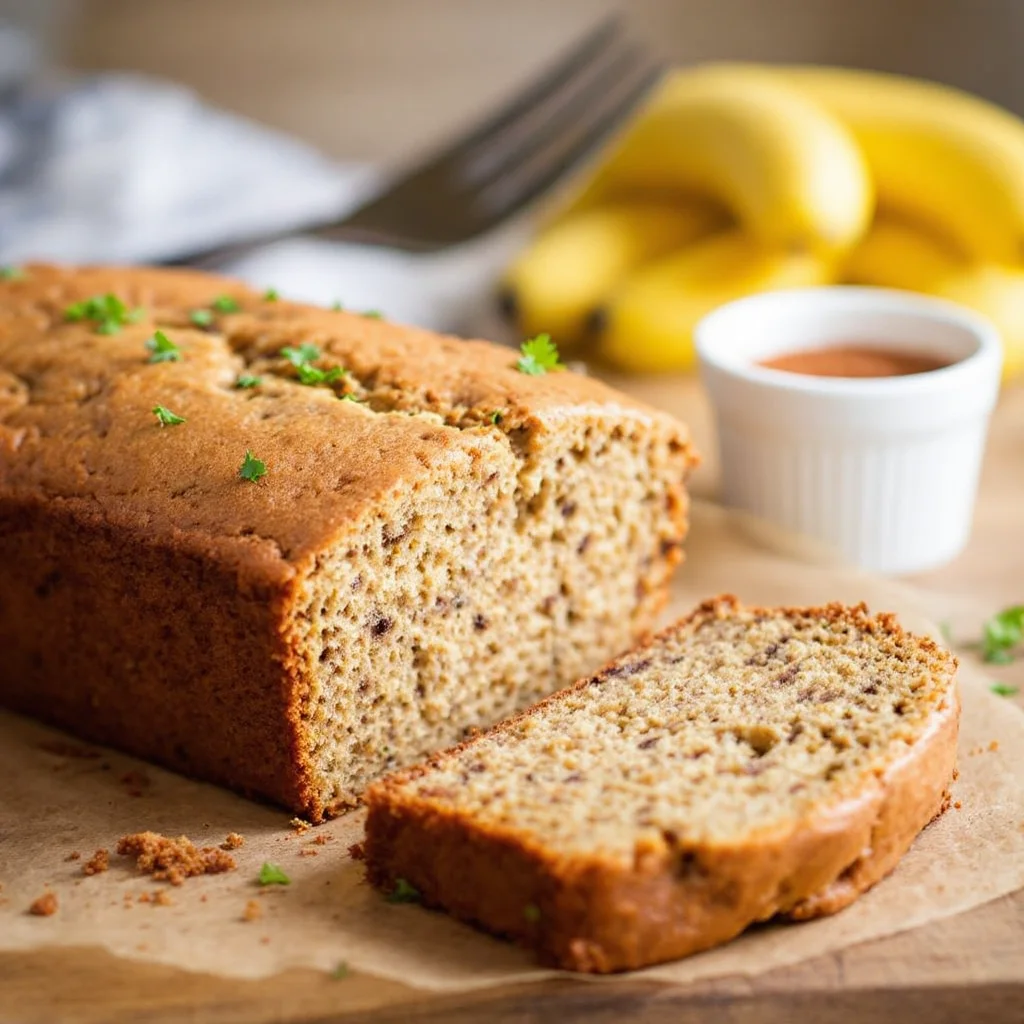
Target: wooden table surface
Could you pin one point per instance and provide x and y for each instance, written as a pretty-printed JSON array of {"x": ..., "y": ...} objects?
[{"x": 966, "y": 968}]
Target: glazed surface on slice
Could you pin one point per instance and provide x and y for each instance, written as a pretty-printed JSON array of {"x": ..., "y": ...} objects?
[
  {"x": 438, "y": 539},
  {"x": 746, "y": 763}
]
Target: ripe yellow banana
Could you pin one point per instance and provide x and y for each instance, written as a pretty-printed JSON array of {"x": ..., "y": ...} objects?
[
  {"x": 650, "y": 320},
  {"x": 556, "y": 283},
  {"x": 789, "y": 171},
  {"x": 896, "y": 254},
  {"x": 899, "y": 255},
  {"x": 936, "y": 154}
]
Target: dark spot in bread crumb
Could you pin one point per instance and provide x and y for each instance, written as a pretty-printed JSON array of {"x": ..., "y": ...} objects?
[
  {"x": 48, "y": 583},
  {"x": 787, "y": 675}
]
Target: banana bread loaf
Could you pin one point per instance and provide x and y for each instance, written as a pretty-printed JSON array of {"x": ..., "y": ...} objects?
[
  {"x": 286, "y": 548},
  {"x": 747, "y": 763}
]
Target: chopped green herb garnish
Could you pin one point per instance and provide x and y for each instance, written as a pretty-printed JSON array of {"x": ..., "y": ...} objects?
[
  {"x": 164, "y": 350},
  {"x": 373, "y": 314},
  {"x": 271, "y": 295},
  {"x": 247, "y": 380},
  {"x": 349, "y": 397},
  {"x": 108, "y": 311},
  {"x": 311, "y": 375},
  {"x": 305, "y": 353},
  {"x": 302, "y": 359},
  {"x": 201, "y": 317},
  {"x": 165, "y": 417},
  {"x": 497, "y": 416},
  {"x": 1003, "y": 633},
  {"x": 341, "y": 971},
  {"x": 252, "y": 469},
  {"x": 1004, "y": 690},
  {"x": 336, "y": 306},
  {"x": 539, "y": 355},
  {"x": 403, "y": 892},
  {"x": 531, "y": 912},
  {"x": 226, "y": 304},
  {"x": 271, "y": 874},
  {"x": 11, "y": 273}
]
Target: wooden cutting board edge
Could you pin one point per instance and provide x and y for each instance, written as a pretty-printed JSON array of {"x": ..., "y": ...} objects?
[{"x": 967, "y": 967}]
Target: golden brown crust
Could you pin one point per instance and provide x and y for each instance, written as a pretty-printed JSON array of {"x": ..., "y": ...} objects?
[
  {"x": 148, "y": 592},
  {"x": 596, "y": 915}
]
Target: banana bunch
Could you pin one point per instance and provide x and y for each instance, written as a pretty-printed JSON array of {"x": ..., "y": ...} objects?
[{"x": 737, "y": 179}]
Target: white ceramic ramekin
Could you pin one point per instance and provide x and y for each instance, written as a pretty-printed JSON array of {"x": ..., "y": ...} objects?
[{"x": 882, "y": 470}]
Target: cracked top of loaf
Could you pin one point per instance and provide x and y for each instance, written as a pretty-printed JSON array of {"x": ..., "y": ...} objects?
[{"x": 77, "y": 421}]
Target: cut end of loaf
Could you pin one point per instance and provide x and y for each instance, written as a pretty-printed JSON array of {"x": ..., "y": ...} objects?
[
  {"x": 438, "y": 538},
  {"x": 746, "y": 763},
  {"x": 483, "y": 588}
]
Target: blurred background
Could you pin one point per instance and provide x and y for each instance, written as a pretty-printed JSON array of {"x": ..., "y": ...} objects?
[
  {"x": 258, "y": 114},
  {"x": 380, "y": 79}
]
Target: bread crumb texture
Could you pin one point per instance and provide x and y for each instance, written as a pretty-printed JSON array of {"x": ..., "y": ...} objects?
[
  {"x": 173, "y": 860},
  {"x": 97, "y": 863},
  {"x": 748, "y": 762},
  {"x": 407, "y": 569},
  {"x": 44, "y": 906}
]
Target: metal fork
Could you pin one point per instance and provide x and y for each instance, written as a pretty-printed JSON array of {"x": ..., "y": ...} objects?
[{"x": 500, "y": 166}]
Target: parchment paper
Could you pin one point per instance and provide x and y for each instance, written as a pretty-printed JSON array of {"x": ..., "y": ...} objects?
[{"x": 53, "y": 804}]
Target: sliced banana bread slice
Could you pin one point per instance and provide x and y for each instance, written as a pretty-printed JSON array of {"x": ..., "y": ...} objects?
[{"x": 747, "y": 763}]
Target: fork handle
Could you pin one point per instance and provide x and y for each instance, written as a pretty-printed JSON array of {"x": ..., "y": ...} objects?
[{"x": 366, "y": 225}]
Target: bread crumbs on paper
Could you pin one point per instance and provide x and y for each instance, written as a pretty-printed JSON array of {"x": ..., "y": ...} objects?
[
  {"x": 993, "y": 746},
  {"x": 253, "y": 911},
  {"x": 44, "y": 906},
  {"x": 73, "y": 855},
  {"x": 299, "y": 825},
  {"x": 97, "y": 863},
  {"x": 307, "y": 852},
  {"x": 232, "y": 841},
  {"x": 173, "y": 860},
  {"x": 321, "y": 840}
]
